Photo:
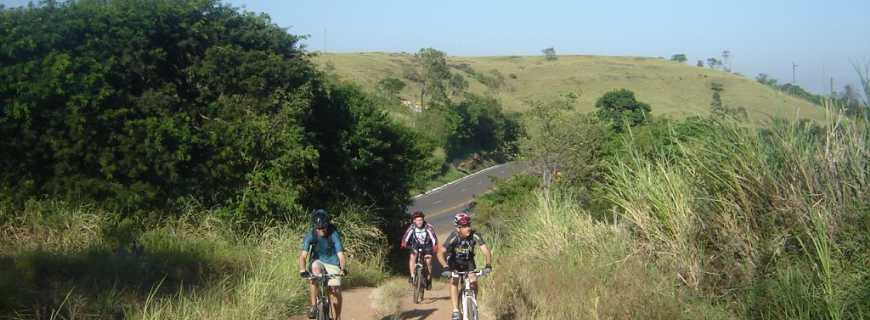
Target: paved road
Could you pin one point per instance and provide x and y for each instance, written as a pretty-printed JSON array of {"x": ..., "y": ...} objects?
[{"x": 441, "y": 203}]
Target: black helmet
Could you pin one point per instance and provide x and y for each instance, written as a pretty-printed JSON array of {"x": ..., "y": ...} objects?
[{"x": 321, "y": 218}]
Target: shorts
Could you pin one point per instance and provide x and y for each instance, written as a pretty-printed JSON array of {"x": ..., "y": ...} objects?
[
  {"x": 427, "y": 250},
  {"x": 460, "y": 265},
  {"x": 330, "y": 269}
]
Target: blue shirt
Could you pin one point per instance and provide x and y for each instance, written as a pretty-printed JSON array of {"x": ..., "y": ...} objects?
[{"x": 326, "y": 249}]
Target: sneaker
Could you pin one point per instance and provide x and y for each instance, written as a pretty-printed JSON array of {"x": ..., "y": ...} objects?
[
  {"x": 312, "y": 312},
  {"x": 456, "y": 316}
]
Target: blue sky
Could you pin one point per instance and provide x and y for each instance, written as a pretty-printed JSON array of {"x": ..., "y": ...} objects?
[{"x": 822, "y": 37}]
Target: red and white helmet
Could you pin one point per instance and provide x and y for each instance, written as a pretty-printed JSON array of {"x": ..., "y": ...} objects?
[{"x": 461, "y": 219}]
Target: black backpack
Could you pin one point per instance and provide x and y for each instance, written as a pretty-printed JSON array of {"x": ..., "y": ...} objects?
[{"x": 313, "y": 243}]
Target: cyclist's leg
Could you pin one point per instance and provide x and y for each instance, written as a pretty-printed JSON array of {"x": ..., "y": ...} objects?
[
  {"x": 316, "y": 268},
  {"x": 454, "y": 293},
  {"x": 428, "y": 259},
  {"x": 412, "y": 262},
  {"x": 472, "y": 277}
]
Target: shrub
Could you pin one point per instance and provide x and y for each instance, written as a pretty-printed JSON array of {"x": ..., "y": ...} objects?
[{"x": 620, "y": 108}]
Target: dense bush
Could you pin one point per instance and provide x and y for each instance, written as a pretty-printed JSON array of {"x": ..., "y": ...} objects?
[
  {"x": 146, "y": 104},
  {"x": 621, "y": 108}
]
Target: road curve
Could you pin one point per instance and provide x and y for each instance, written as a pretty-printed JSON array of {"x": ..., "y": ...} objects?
[{"x": 440, "y": 203}]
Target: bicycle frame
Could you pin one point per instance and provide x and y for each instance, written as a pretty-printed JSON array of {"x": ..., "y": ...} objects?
[
  {"x": 468, "y": 295},
  {"x": 421, "y": 262},
  {"x": 420, "y": 274},
  {"x": 324, "y": 304}
]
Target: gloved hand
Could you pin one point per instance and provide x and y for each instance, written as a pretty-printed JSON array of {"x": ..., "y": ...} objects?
[
  {"x": 487, "y": 269},
  {"x": 304, "y": 274},
  {"x": 447, "y": 274}
]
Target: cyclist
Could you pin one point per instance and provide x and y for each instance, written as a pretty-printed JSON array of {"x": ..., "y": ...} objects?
[
  {"x": 459, "y": 247},
  {"x": 420, "y": 234},
  {"x": 327, "y": 254}
]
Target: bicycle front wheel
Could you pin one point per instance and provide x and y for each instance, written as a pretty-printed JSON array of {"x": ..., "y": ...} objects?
[
  {"x": 471, "y": 307},
  {"x": 419, "y": 286},
  {"x": 323, "y": 310}
]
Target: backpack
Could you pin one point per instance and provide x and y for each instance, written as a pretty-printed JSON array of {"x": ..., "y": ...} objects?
[{"x": 313, "y": 242}]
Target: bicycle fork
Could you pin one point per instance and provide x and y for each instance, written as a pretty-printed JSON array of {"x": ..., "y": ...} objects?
[{"x": 469, "y": 300}]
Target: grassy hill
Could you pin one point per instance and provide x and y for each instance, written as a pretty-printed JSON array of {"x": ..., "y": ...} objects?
[{"x": 671, "y": 88}]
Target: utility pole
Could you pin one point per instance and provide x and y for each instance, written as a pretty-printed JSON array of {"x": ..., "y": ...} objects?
[
  {"x": 324, "y": 39},
  {"x": 793, "y": 71},
  {"x": 832, "y": 87}
]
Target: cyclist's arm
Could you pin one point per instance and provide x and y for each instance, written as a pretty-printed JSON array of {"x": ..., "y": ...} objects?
[
  {"x": 406, "y": 238},
  {"x": 339, "y": 248},
  {"x": 487, "y": 255},
  {"x": 303, "y": 257},
  {"x": 433, "y": 237},
  {"x": 441, "y": 259},
  {"x": 342, "y": 261}
]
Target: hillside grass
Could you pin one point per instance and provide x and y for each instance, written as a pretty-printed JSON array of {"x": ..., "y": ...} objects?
[
  {"x": 63, "y": 261},
  {"x": 672, "y": 88}
]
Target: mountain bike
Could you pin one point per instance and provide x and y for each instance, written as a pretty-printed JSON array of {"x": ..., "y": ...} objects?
[
  {"x": 421, "y": 276},
  {"x": 323, "y": 306},
  {"x": 468, "y": 294}
]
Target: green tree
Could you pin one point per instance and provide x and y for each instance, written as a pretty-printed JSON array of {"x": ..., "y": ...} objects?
[
  {"x": 364, "y": 156},
  {"x": 484, "y": 127},
  {"x": 700, "y": 64},
  {"x": 458, "y": 84},
  {"x": 719, "y": 110},
  {"x": 680, "y": 57},
  {"x": 169, "y": 101},
  {"x": 620, "y": 108},
  {"x": 549, "y": 54},
  {"x": 765, "y": 79},
  {"x": 713, "y": 63},
  {"x": 726, "y": 60},
  {"x": 391, "y": 87},
  {"x": 717, "y": 89},
  {"x": 561, "y": 144},
  {"x": 435, "y": 74},
  {"x": 851, "y": 101}
]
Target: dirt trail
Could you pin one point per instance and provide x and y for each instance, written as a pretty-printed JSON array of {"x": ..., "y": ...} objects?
[
  {"x": 357, "y": 305},
  {"x": 360, "y": 304},
  {"x": 435, "y": 305}
]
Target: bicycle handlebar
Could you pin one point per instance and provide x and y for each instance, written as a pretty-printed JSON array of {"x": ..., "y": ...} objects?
[
  {"x": 479, "y": 273},
  {"x": 324, "y": 276}
]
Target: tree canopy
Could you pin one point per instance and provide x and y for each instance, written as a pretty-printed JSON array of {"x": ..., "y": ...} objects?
[
  {"x": 621, "y": 108},
  {"x": 142, "y": 104},
  {"x": 680, "y": 57}
]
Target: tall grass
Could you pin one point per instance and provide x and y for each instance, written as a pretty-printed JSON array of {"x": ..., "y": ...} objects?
[
  {"x": 739, "y": 207},
  {"x": 730, "y": 222},
  {"x": 72, "y": 262},
  {"x": 560, "y": 263}
]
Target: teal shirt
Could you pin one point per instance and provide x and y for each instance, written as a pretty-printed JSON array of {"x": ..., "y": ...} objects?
[{"x": 326, "y": 249}]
